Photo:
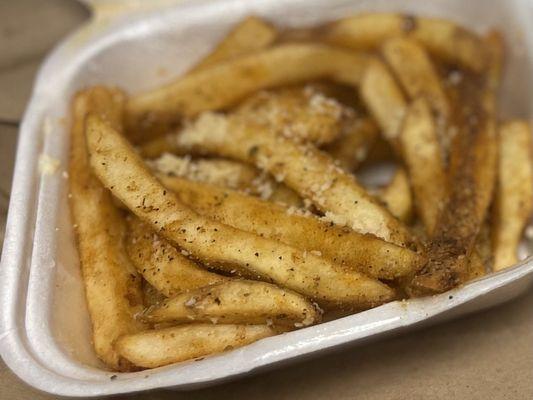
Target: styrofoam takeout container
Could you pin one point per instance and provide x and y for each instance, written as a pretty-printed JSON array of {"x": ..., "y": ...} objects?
[{"x": 44, "y": 324}]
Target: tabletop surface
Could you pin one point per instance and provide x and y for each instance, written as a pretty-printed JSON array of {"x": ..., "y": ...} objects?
[{"x": 482, "y": 356}]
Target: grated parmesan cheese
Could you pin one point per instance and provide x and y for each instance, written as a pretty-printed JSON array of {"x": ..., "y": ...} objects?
[
  {"x": 48, "y": 165},
  {"x": 191, "y": 302}
]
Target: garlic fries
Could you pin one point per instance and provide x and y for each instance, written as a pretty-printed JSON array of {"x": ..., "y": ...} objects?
[{"x": 291, "y": 176}]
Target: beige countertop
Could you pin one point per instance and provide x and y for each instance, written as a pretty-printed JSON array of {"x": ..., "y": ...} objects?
[{"x": 488, "y": 355}]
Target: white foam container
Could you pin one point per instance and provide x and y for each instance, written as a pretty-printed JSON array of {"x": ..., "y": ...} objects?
[{"x": 44, "y": 324}]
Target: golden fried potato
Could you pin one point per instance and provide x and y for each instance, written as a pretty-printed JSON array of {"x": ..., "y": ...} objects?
[
  {"x": 472, "y": 171},
  {"x": 384, "y": 99},
  {"x": 155, "y": 348},
  {"x": 163, "y": 266},
  {"x": 443, "y": 39},
  {"x": 237, "y": 302},
  {"x": 364, "y": 253},
  {"x": 397, "y": 196},
  {"x": 159, "y": 146},
  {"x": 514, "y": 191},
  {"x": 302, "y": 114},
  {"x": 224, "y": 84},
  {"x": 229, "y": 174},
  {"x": 421, "y": 152},
  {"x": 123, "y": 172},
  {"x": 472, "y": 177},
  {"x": 353, "y": 146},
  {"x": 112, "y": 285},
  {"x": 308, "y": 171},
  {"x": 416, "y": 73},
  {"x": 480, "y": 261},
  {"x": 249, "y": 35}
]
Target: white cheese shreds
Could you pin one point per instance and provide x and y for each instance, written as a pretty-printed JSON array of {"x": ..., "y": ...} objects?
[
  {"x": 308, "y": 320},
  {"x": 220, "y": 172},
  {"x": 48, "y": 165},
  {"x": 191, "y": 302},
  {"x": 325, "y": 105},
  {"x": 171, "y": 164},
  {"x": 263, "y": 186},
  {"x": 210, "y": 124},
  {"x": 336, "y": 219}
]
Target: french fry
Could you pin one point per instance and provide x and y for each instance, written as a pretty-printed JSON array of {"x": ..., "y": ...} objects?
[
  {"x": 472, "y": 171},
  {"x": 355, "y": 143},
  {"x": 125, "y": 175},
  {"x": 162, "y": 265},
  {"x": 250, "y": 35},
  {"x": 416, "y": 73},
  {"x": 306, "y": 232},
  {"x": 514, "y": 192},
  {"x": 112, "y": 285},
  {"x": 443, "y": 39},
  {"x": 302, "y": 114},
  {"x": 156, "y": 348},
  {"x": 397, "y": 196},
  {"x": 308, "y": 171},
  {"x": 237, "y": 302},
  {"x": 158, "y": 146},
  {"x": 481, "y": 258},
  {"x": 229, "y": 174},
  {"x": 422, "y": 156},
  {"x": 384, "y": 99},
  {"x": 224, "y": 84}
]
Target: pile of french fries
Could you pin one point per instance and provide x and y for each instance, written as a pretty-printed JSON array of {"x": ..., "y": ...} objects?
[{"x": 225, "y": 207}]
